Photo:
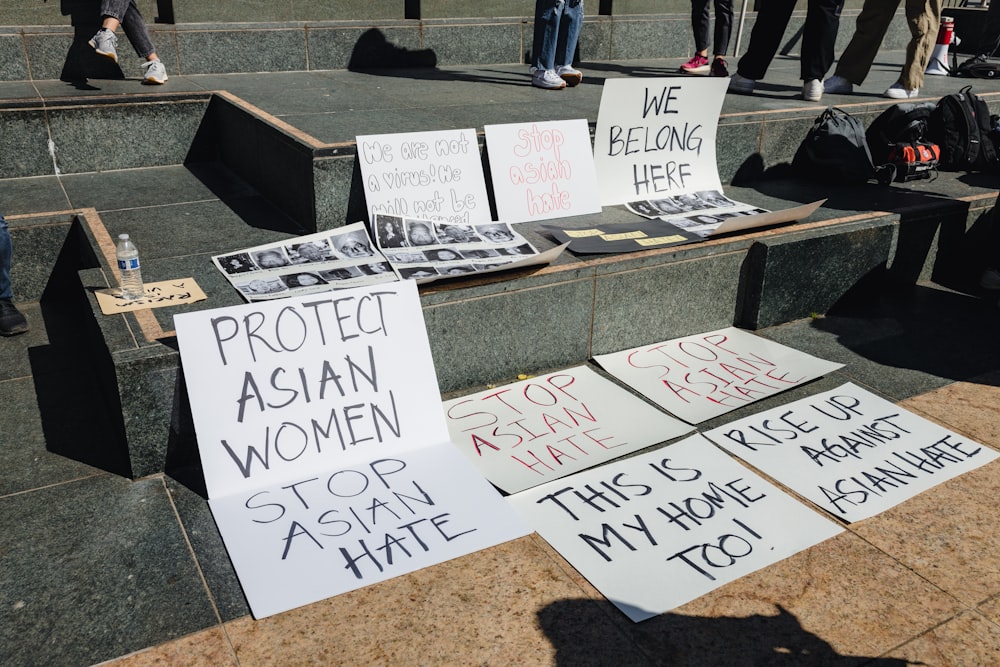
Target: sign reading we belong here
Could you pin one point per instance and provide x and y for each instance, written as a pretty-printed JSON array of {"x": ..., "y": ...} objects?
[{"x": 655, "y": 137}]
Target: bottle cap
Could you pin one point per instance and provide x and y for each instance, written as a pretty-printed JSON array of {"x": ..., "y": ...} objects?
[{"x": 123, "y": 237}]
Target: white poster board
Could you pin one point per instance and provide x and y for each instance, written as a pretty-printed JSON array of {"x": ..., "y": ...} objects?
[
  {"x": 530, "y": 432},
  {"x": 542, "y": 170},
  {"x": 706, "y": 375},
  {"x": 660, "y": 529},
  {"x": 851, "y": 452},
  {"x": 655, "y": 137},
  {"x": 434, "y": 175},
  {"x": 322, "y": 437}
]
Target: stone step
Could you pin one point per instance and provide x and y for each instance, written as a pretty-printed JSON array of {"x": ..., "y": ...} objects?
[
  {"x": 58, "y": 50},
  {"x": 195, "y": 169}
]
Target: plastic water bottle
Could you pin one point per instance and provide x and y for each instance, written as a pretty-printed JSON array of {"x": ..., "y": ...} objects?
[{"x": 128, "y": 267}]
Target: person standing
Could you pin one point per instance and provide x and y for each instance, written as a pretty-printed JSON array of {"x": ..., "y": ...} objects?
[
  {"x": 923, "y": 18},
  {"x": 988, "y": 37},
  {"x": 125, "y": 13},
  {"x": 557, "y": 31},
  {"x": 700, "y": 20},
  {"x": 818, "y": 38},
  {"x": 12, "y": 321}
]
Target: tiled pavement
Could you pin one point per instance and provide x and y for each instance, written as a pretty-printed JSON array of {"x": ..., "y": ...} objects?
[{"x": 95, "y": 567}]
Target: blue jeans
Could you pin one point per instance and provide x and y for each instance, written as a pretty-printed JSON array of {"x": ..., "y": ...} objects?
[
  {"x": 6, "y": 256},
  {"x": 557, "y": 30},
  {"x": 132, "y": 22}
]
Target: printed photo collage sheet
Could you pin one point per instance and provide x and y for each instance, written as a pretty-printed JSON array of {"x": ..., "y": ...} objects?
[{"x": 654, "y": 527}]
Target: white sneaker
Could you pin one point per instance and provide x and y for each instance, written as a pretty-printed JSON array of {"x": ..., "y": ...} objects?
[
  {"x": 548, "y": 79},
  {"x": 990, "y": 279},
  {"x": 837, "y": 84},
  {"x": 154, "y": 72},
  {"x": 812, "y": 90},
  {"x": 105, "y": 43},
  {"x": 570, "y": 75},
  {"x": 741, "y": 85},
  {"x": 897, "y": 92}
]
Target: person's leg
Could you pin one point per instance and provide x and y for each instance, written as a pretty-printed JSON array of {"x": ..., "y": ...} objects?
[
  {"x": 765, "y": 38},
  {"x": 819, "y": 37},
  {"x": 570, "y": 26},
  {"x": 12, "y": 322},
  {"x": 546, "y": 35},
  {"x": 138, "y": 35},
  {"x": 700, "y": 24},
  {"x": 988, "y": 38},
  {"x": 869, "y": 31},
  {"x": 723, "y": 27},
  {"x": 6, "y": 257},
  {"x": 924, "y": 19}
]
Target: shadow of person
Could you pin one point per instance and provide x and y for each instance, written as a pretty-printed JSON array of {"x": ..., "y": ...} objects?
[
  {"x": 82, "y": 62},
  {"x": 673, "y": 639},
  {"x": 374, "y": 51}
]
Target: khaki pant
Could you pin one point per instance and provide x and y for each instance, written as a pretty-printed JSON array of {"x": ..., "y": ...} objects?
[{"x": 923, "y": 18}]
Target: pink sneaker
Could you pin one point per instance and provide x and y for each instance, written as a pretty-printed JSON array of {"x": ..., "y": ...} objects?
[{"x": 697, "y": 65}]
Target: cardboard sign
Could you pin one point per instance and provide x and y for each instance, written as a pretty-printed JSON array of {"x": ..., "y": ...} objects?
[
  {"x": 542, "y": 170},
  {"x": 655, "y": 137},
  {"x": 324, "y": 447},
  {"x": 527, "y": 433},
  {"x": 156, "y": 295},
  {"x": 850, "y": 452},
  {"x": 706, "y": 375},
  {"x": 432, "y": 175},
  {"x": 660, "y": 529}
]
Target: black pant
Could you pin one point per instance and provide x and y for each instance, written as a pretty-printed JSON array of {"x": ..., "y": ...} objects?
[
  {"x": 818, "y": 37},
  {"x": 989, "y": 36},
  {"x": 723, "y": 25}
]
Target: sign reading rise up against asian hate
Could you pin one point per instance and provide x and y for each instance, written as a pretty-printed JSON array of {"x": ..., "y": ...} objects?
[{"x": 324, "y": 446}]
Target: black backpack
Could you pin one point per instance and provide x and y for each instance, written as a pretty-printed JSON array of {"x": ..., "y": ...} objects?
[
  {"x": 835, "y": 149},
  {"x": 899, "y": 135},
  {"x": 977, "y": 68},
  {"x": 960, "y": 125}
]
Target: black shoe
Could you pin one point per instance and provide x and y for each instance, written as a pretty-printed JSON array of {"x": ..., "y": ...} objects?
[{"x": 12, "y": 322}]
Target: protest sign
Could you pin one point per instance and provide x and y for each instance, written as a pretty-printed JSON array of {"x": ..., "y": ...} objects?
[
  {"x": 656, "y": 137},
  {"x": 155, "y": 295},
  {"x": 699, "y": 377},
  {"x": 659, "y": 529},
  {"x": 851, "y": 452},
  {"x": 523, "y": 434},
  {"x": 337, "y": 530},
  {"x": 654, "y": 151},
  {"x": 434, "y": 175},
  {"x": 426, "y": 251},
  {"x": 310, "y": 264},
  {"x": 542, "y": 170},
  {"x": 322, "y": 436}
]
